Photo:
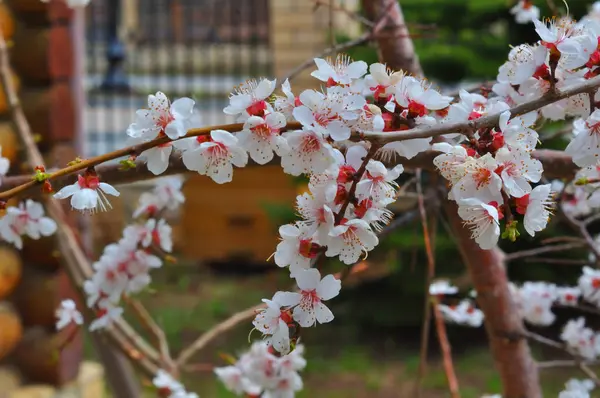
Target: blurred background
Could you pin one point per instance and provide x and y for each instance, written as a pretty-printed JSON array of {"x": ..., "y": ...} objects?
[{"x": 224, "y": 234}]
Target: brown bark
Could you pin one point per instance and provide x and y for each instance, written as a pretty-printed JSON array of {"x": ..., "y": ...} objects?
[
  {"x": 395, "y": 46},
  {"x": 503, "y": 325},
  {"x": 511, "y": 353}
]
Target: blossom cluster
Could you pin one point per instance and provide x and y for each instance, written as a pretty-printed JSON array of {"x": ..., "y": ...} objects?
[
  {"x": 169, "y": 387},
  {"x": 259, "y": 372},
  {"x": 124, "y": 267},
  {"x": 463, "y": 313}
]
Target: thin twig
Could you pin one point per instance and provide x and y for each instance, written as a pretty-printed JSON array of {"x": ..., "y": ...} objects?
[
  {"x": 425, "y": 326},
  {"x": 75, "y": 260},
  {"x": 558, "y": 261},
  {"x": 150, "y": 324},
  {"x": 440, "y": 326},
  {"x": 564, "y": 363},
  {"x": 543, "y": 249}
]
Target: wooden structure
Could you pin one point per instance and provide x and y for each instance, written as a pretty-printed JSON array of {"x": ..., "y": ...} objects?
[
  {"x": 32, "y": 282},
  {"x": 229, "y": 222}
]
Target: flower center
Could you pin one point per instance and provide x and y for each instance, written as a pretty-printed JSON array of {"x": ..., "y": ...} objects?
[
  {"x": 89, "y": 181},
  {"x": 258, "y": 108},
  {"x": 482, "y": 177},
  {"x": 308, "y": 249},
  {"x": 416, "y": 109}
]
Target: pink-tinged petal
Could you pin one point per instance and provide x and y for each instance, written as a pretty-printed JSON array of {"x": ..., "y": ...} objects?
[
  {"x": 4, "y": 165},
  {"x": 84, "y": 199},
  {"x": 224, "y": 137},
  {"x": 253, "y": 121},
  {"x": 329, "y": 287},
  {"x": 287, "y": 299},
  {"x": 289, "y": 231},
  {"x": 542, "y": 30},
  {"x": 276, "y": 120},
  {"x": 238, "y": 104},
  {"x": 355, "y": 156},
  {"x": 67, "y": 191},
  {"x": 265, "y": 88},
  {"x": 176, "y": 129},
  {"x": 47, "y": 226},
  {"x": 109, "y": 189},
  {"x": 309, "y": 279},
  {"x": 338, "y": 130},
  {"x": 34, "y": 209},
  {"x": 158, "y": 102},
  {"x": 281, "y": 339},
  {"x": 157, "y": 159},
  {"x": 304, "y": 115},
  {"x": 304, "y": 314},
  {"x": 221, "y": 174},
  {"x": 356, "y": 69},
  {"x": 324, "y": 70},
  {"x": 183, "y": 108},
  {"x": 323, "y": 313}
]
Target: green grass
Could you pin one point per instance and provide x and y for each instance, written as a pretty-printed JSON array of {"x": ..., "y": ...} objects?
[{"x": 339, "y": 364}]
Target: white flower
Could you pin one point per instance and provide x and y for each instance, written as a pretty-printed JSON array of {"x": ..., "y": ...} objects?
[
  {"x": 4, "y": 164},
  {"x": 232, "y": 377},
  {"x": 479, "y": 181},
  {"x": 577, "y": 389},
  {"x": 589, "y": 283},
  {"x": 516, "y": 131},
  {"x": 215, "y": 158},
  {"x": 316, "y": 212},
  {"x": 272, "y": 321},
  {"x": 261, "y": 137},
  {"x": 585, "y": 146},
  {"x": 407, "y": 149},
  {"x": 321, "y": 113},
  {"x": 308, "y": 304},
  {"x": 88, "y": 194},
  {"x": 350, "y": 239},
  {"x": 27, "y": 219},
  {"x": 342, "y": 71},
  {"x": 580, "y": 339},
  {"x": 286, "y": 104},
  {"x": 309, "y": 153},
  {"x": 153, "y": 232},
  {"x": 525, "y": 12},
  {"x": 536, "y": 299},
  {"x": 379, "y": 183},
  {"x": 536, "y": 207},
  {"x": 296, "y": 248},
  {"x": 462, "y": 314},
  {"x": 67, "y": 313},
  {"x": 441, "y": 287},
  {"x": 568, "y": 295},
  {"x": 381, "y": 81},
  {"x": 105, "y": 317},
  {"x": 162, "y": 118},
  {"x": 573, "y": 43},
  {"x": 523, "y": 62},
  {"x": 451, "y": 162},
  {"x": 413, "y": 95},
  {"x": 166, "y": 383},
  {"x": 482, "y": 220},
  {"x": 517, "y": 168},
  {"x": 250, "y": 98}
]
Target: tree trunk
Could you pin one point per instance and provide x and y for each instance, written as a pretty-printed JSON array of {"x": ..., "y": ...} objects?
[
  {"x": 396, "y": 47},
  {"x": 503, "y": 325}
]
